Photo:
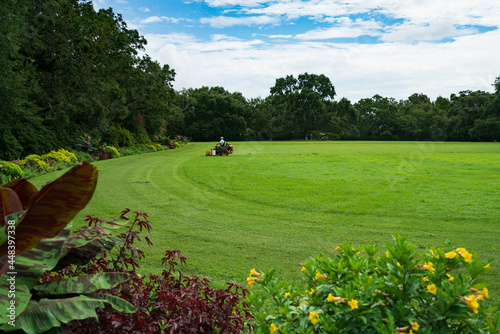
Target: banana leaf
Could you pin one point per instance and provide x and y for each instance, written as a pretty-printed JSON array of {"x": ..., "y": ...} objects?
[
  {"x": 20, "y": 294},
  {"x": 41, "y": 316},
  {"x": 54, "y": 206},
  {"x": 9, "y": 204},
  {"x": 82, "y": 284},
  {"x": 89, "y": 243},
  {"x": 24, "y": 190},
  {"x": 30, "y": 265}
]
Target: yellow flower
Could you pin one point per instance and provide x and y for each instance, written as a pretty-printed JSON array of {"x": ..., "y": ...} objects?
[
  {"x": 410, "y": 332},
  {"x": 318, "y": 275},
  {"x": 483, "y": 292},
  {"x": 465, "y": 254},
  {"x": 254, "y": 273},
  {"x": 399, "y": 265},
  {"x": 472, "y": 303},
  {"x": 353, "y": 303},
  {"x": 314, "y": 317},
  {"x": 450, "y": 255},
  {"x": 311, "y": 291},
  {"x": 487, "y": 266},
  {"x": 331, "y": 298},
  {"x": 304, "y": 303},
  {"x": 250, "y": 281},
  {"x": 450, "y": 278},
  {"x": 432, "y": 288},
  {"x": 415, "y": 326},
  {"x": 426, "y": 279},
  {"x": 358, "y": 253},
  {"x": 370, "y": 277},
  {"x": 337, "y": 249},
  {"x": 304, "y": 269},
  {"x": 387, "y": 253},
  {"x": 273, "y": 328},
  {"x": 428, "y": 266},
  {"x": 287, "y": 294}
]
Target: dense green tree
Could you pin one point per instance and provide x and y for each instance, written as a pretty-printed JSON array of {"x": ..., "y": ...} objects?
[
  {"x": 214, "y": 112},
  {"x": 377, "y": 117},
  {"x": 301, "y": 104}
]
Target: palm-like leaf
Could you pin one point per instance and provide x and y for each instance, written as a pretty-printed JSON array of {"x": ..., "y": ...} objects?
[
  {"x": 83, "y": 284},
  {"x": 32, "y": 264},
  {"x": 24, "y": 190},
  {"x": 9, "y": 204},
  {"x": 54, "y": 206},
  {"x": 41, "y": 316},
  {"x": 22, "y": 297}
]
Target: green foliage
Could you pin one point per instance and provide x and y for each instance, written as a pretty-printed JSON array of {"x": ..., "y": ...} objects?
[
  {"x": 120, "y": 136},
  {"x": 37, "y": 239},
  {"x": 358, "y": 291},
  {"x": 63, "y": 156},
  {"x": 143, "y": 138},
  {"x": 10, "y": 170},
  {"x": 33, "y": 160},
  {"x": 114, "y": 151}
]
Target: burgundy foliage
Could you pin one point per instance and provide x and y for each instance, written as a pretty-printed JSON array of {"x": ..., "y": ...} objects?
[{"x": 169, "y": 303}]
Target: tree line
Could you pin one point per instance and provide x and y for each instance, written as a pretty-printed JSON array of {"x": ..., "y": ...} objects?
[{"x": 69, "y": 70}]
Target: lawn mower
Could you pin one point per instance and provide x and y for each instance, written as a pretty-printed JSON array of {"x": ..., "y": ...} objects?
[{"x": 224, "y": 150}]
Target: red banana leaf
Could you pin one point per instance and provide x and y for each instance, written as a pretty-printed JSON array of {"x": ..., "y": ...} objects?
[
  {"x": 9, "y": 204},
  {"x": 54, "y": 206},
  {"x": 24, "y": 189}
]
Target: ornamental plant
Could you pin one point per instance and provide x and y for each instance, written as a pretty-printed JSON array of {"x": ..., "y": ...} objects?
[
  {"x": 33, "y": 161},
  {"x": 10, "y": 171},
  {"x": 357, "y": 291},
  {"x": 60, "y": 156},
  {"x": 171, "y": 302},
  {"x": 35, "y": 237}
]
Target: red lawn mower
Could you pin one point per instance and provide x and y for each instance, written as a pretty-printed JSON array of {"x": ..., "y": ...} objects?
[{"x": 224, "y": 150}]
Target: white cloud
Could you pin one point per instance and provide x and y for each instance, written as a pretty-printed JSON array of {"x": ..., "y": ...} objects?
[
  {"x": 424, "y": 32},
  {"x": 345, "y": 28},
  {"x": 145, "y": 9},
  {"x": 156, "y": 19},
  {"x": 229, "y": 21},
  {"x": 357, "y": 70}
]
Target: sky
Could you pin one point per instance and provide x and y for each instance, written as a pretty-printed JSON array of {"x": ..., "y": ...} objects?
[{"x": 387, "y": 47}]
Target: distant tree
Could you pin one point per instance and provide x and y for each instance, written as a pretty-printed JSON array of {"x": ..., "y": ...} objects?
[
  {"x": 301, "y": 103},
  {"x": 377, "y": 117},
  {"x": 213, "y": 112}
]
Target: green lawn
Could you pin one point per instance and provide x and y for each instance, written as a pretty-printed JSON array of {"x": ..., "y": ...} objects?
[{"x": 274, "y": 204}]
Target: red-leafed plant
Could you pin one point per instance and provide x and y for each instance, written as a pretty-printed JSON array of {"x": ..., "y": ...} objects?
[{"x": 168, "y": 303}]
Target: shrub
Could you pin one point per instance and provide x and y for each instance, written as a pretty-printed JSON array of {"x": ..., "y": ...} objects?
[
  {"x": 113, "y": 151},
  {"x": 172, "y": 302},
  {"x": 33, "y": 161},
  {"x": 62, "y": 156},
  {"x": 120, "y": 136},
  {"x": 10, "y": 171},
  {"x": 81, "y": 156},
  {"x": 159, "y": 147},
  {"x": 400, "y": 291}
]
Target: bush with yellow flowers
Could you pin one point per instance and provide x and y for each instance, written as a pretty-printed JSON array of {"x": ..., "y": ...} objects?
[{"x": 362, "y": 290}]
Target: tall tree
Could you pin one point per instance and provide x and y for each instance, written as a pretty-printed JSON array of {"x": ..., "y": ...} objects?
[{"x": 301, "y": 104}]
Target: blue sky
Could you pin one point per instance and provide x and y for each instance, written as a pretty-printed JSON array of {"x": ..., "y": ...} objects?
[{"x": 388, "y": 47}]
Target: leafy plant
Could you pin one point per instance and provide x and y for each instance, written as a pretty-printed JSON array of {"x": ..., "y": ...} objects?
[
  {"x": 61, "y": 155},
  {"x": 113, "y": 151},
  {"x": 171, "y": 302},
  {"x": 10, "y": 170},
  {"x": 400, "y": 291},
  {"x": 35, "y": 238}
]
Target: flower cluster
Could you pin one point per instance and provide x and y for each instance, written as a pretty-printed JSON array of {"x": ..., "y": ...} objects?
[
  {"x": 358, "y": 291},
  {"x": 252, "y": 277}
]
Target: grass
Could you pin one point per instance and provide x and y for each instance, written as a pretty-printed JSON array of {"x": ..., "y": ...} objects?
[{"x": 274, "y": 204}]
